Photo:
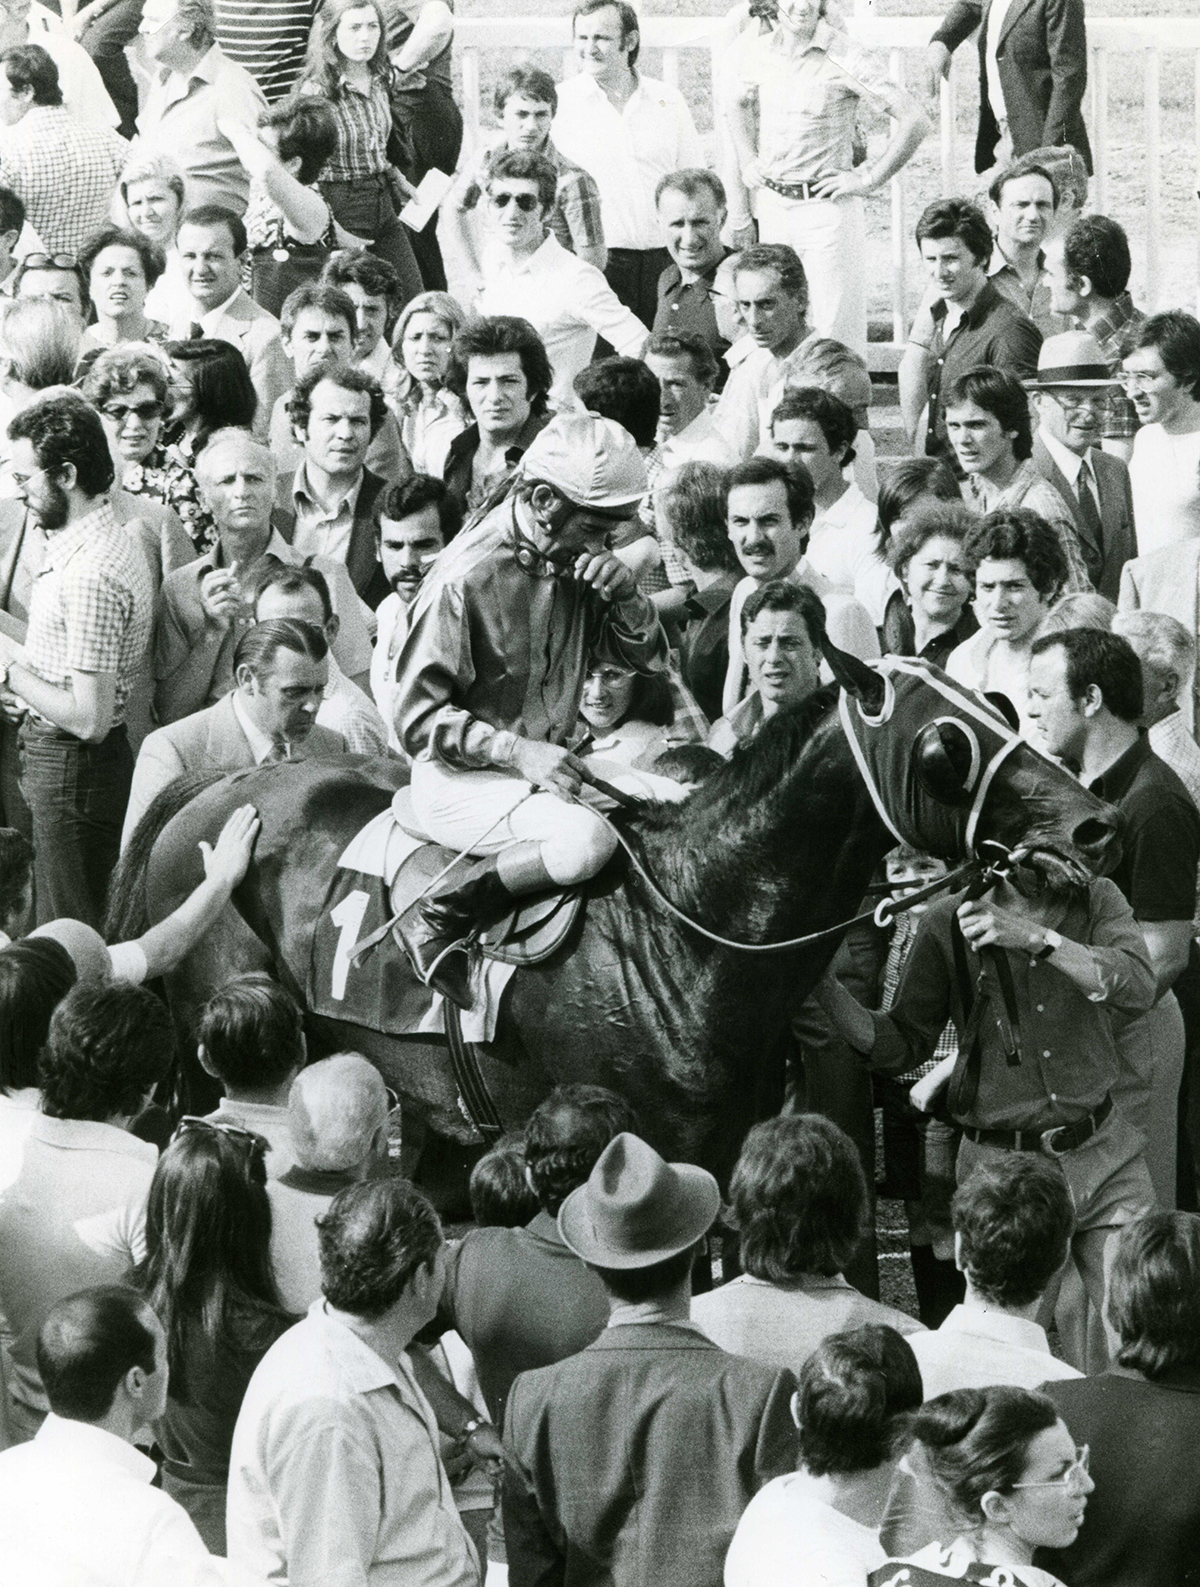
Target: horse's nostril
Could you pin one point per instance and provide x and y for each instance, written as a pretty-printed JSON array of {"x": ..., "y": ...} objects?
[{"x": 1090, "y": 834}]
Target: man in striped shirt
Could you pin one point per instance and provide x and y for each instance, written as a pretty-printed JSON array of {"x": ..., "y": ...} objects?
[{"x": 268, "y": 38}]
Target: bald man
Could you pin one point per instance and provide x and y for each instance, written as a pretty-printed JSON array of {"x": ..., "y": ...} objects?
[
  {"x": 337, "y": 1116},
  {"x": 206, "y": 605}
]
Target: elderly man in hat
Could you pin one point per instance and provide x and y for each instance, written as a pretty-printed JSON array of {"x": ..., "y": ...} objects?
[
  {"x": 1071, "y": 393},
  {"x": 633, "y": 1460},
  {"x": 491, "y": 676}
]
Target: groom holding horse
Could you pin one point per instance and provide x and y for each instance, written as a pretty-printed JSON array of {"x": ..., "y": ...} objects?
[{"x": 491, "y": 676}]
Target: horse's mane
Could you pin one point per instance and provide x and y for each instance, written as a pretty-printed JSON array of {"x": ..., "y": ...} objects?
[
  {"x": 126, "y": 917},
  {"x": 757, "y": 769}
]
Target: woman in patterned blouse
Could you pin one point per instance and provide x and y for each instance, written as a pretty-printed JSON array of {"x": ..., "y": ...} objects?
[{"x": 348, "y": 66}]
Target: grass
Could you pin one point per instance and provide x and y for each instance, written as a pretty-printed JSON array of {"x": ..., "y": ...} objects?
[{"x": 1180, "y": 241}]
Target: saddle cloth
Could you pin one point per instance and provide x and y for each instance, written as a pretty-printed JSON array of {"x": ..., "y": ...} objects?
[{"x": 382, "y": 871}]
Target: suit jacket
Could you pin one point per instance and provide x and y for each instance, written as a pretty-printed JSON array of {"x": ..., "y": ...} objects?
[
  {"x": 704, "y": 645},
  {"x": 1042, "y": 58},
  {"x": 255, "y": 334},
  {"x": 1118, "y": 543},
  {"x": 210, "y": 740},
  {"x": 1168, "y": 581},
  {"x": 386, "y": 455},
  {"x": 637, "y": 1457},
  {"x": 1143, "y": 1521},
  {"x": 362, "y": 557}
]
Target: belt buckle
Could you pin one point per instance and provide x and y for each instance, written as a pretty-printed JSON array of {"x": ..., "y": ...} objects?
[{"x": 1047, "y": 1144}]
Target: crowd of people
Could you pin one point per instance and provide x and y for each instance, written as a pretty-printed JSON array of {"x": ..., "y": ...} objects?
[{"x": 507, "y": 470}]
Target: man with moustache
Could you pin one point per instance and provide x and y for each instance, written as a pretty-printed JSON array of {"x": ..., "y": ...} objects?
[{"x": 417, "y": 520}]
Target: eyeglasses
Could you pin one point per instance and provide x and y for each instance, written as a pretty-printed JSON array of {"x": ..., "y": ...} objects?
[
  {"x": 1139, "y": 379},
  {"x": 257, "y": 1144},
  {"x": 1078, "y": 1468},
  {"x": 145, "y": 411},
  {"x": 21, "y": 480},
  {"x": 1082, "y": 404},
  {"x": 50, "y": 261},
  {"x": 525, "y": 202}
]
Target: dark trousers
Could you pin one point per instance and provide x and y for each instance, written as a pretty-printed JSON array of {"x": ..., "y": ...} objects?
[
  {"x": 365, "y": 208},
  {"x": 105, "y": 42},
  {"x": 77, "y": 794},
  {"x": 1187, "y": 1161},
  {"x": 633, "y": 275},
  {"x": 838, "y": 1083},
  {"x": 435, "y": 135}
]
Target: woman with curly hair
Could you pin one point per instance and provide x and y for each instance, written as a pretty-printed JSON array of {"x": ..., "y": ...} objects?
[
  {"x": 348, "y": 67},
  {"x": 121, "y": 265},
  {"x": 429, "y": 413},
  {"x": 207, "y": 1273}
]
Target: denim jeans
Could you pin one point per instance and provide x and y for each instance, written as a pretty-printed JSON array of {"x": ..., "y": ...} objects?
[
  {"x": 77, "y": 794},
  {"x": 105, "y": 41},
  {"x": 365, "y": 208}
]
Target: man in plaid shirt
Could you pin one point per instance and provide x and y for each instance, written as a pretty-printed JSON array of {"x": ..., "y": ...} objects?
[
  {"x": 64, "y": 172},
  {"x": 90, "y": 613}
]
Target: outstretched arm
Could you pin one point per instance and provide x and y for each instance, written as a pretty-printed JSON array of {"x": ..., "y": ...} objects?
[{"x": 166, "y": 945}]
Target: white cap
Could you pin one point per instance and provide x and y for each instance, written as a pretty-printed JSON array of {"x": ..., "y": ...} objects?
[{"x": 594, "y": 462}]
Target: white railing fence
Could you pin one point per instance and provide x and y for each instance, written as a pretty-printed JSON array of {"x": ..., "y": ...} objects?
[{"x": 701, "y": 48}]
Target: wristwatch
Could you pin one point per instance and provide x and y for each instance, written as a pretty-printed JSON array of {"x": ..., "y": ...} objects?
[
  {"x": 473, "y": 1426},
  {"x": 1052, "y": 943}
]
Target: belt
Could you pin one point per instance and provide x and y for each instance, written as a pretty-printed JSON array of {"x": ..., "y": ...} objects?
[
  {"x": 1062, "y": 1138},
  {"x": 802, "y": 190}
]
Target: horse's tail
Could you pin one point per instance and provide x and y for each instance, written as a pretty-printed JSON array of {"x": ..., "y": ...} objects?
[{"x": 127, "y": 917}]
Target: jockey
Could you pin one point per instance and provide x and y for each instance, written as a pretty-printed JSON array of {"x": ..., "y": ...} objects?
[{"x": 491, "y": 676}]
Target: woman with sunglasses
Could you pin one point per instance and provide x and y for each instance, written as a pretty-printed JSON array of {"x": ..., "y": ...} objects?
[
  {"x": 121, "y": 266},
  {"x": 1002, "y": 1478},
  {"x": 206, "y": 1270},
  {"x": 821, "y": 1523}
]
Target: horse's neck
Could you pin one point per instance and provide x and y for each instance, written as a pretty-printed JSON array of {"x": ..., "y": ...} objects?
[{"x": 793, "y": 858}]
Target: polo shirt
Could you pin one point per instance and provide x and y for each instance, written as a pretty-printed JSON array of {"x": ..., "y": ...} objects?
[
  {"x": 843, "y": 546},
  {"x": 1069, "y": 1054},
  {"x": 72, "y": 1170},
  {"x": 1160, "y": 834},
  {"x": 519, "y": 1299},
  {"x": 991, "y": 331},
  {"x": 974, "y": 1348},
  {"x": 1033, "y": 302},
  {"x": 183, "y": 114},
  {"x": 689, "y": 308}
]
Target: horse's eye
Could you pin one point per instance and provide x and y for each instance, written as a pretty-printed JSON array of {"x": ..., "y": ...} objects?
[{"x": 946, "y": 761}]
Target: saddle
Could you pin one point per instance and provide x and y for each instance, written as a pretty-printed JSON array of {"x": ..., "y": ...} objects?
[{"x": 532, "y": 930}]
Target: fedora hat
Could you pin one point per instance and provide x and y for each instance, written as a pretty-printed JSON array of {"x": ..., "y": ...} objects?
[
  {"x": 1072, "y": 359},
  {"x": 637, "y": 1209}
]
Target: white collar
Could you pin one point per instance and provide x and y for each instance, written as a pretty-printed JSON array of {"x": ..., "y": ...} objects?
[
  {"x": 698, "y": 429},
  {"x": 59, "y": 1437},
  {"x": 376, "y": 364},
  {"x": 840, "y": 511},
  {"x": 1069, "y": 462},
  {"x": 997, "y": 1326},
  {"x": 207, "y": 320},
  {"x": 260, "y": 744}
]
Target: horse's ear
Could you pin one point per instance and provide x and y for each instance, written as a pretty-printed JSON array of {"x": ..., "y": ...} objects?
[{"x": 855, "y": 676}]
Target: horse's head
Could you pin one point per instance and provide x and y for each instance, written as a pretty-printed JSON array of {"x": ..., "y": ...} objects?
[{"x": 947, "y": 772}]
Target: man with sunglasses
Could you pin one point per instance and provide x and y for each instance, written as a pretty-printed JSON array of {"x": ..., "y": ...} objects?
[
  {"x": 1071, "y": 393},
  {"x": 528, "y": 272},
  {"x": 490, "y": 679}
]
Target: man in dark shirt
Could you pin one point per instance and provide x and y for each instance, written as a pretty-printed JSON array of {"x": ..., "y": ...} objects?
[
  {"x": 966, "y": 324},
  {"x": 508, "y": 377},
  {"x": 695, "y": 291},
  {"x": 1085, "y": 702}
]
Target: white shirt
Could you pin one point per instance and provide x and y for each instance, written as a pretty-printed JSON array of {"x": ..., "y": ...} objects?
[
  {"x": 77, "y": 1510},
  {"x": 789, "y": 1536},
  {"x": 698, "y": 442},
  {"x": 567, "y": 301},
  {"x": 847, "y": 621},
  {"x": 996, "y": 19},
  {"x": 334, "y": 1475},
  {"x": 1070, "y": 463},
  {"x": 752, "y": 393},
  {"x": 843, "y": 547},
  {"x": 626, "y": 150},
  {"x": 261, "y": 744},
  {"x": 393, "y": 615},
  {"x": 975, "y": 1348},
  {"x": 1165, "y": 474}
]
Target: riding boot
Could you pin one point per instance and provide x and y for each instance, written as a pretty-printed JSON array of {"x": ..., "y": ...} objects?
[{"x": 436, "y": 932}]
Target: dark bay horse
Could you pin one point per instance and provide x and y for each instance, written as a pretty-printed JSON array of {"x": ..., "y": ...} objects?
[{"x": 780, "y": 842}]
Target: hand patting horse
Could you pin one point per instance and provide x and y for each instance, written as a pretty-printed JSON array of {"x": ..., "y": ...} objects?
[{"x": 780, "y": 842}]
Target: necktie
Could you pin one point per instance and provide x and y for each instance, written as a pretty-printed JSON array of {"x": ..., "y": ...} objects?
[
  {"x": 276, "y": 754},
  {"x": 195, "y": 332},
  {"x": 1088, "y": 505}
]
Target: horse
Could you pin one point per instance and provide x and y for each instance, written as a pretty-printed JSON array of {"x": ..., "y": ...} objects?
[{"x": 781, "y": 842}]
